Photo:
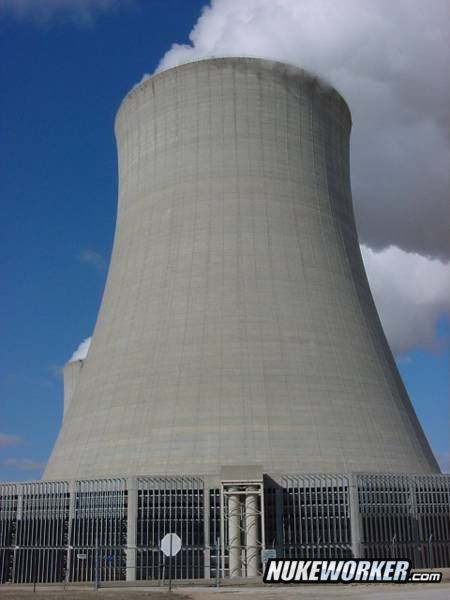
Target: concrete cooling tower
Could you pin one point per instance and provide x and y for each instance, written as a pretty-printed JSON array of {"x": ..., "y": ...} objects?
[
  {"x": 238, "y": 391},
  {"x": 237, "y": 327}
]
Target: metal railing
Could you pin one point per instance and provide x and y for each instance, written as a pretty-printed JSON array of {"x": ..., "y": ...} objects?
[{"x": 109, "y": 530}]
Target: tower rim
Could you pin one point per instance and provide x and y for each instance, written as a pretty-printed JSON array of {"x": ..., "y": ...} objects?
[{"x": 285, "y": 67}]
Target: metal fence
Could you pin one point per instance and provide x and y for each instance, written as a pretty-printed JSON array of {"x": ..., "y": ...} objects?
[
  {"x": 316, "y": 516},
  {"x": 170, "y": 505},
  {"x": 405, "y": 516},
  {"x": 33, "y": 531},
  {"x": 213, "y": 530},
  {"x": 98, "y": 531},
  {"x": 8, "y": 524},
  {"x": 110, "y": 529}
]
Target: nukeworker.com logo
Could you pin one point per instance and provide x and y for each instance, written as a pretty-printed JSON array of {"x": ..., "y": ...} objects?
[{"x": 284, "y": 570}]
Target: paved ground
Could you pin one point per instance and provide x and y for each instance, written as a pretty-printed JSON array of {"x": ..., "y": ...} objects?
[
  {"x": 291, "y": 592},
  {"x": 89, "y": 594},
  {"x": 327, "y": 592}
]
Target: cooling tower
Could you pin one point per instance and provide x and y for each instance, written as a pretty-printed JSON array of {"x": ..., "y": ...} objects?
[{"x": 237, "y": 327}]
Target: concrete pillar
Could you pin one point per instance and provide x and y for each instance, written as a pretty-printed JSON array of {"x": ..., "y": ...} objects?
[
  {"x": 131, "y": 528},
  {"x": 19, "y": 490},
  {"x": 207, "y": 560},
  {"x": 234, "y": 533},
  {"x": 251, "y": 532},
  {"x": 71, "y": 517},
  {"x": 355, "y": 518}
]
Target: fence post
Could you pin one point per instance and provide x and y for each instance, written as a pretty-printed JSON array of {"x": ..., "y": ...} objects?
[
  {"x": 131, "y": 528},
  {"x": 71, "y": 518},
  {"x": 218, "y": 561},
  {"x": 96, "y": 582},
  {"x": 206, "y": 534},
  {"x": 355, "y": 517}
]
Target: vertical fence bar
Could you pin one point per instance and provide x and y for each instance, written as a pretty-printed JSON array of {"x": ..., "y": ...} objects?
[{"x": 48, "y": 527}]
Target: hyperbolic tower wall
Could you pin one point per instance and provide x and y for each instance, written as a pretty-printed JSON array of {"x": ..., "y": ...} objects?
[{"x": 237, "y": 326}]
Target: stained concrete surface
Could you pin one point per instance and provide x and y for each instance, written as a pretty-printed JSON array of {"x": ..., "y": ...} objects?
[
  {"x": 237, "y": 326},
  {"x": 435, "y": 591}
]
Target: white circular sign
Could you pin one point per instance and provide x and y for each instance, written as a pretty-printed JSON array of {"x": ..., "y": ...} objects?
[{"x": 170, "y": 544}]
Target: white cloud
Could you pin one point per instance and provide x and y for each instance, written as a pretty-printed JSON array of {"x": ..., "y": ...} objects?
[
  {"x": 411, "y": 293},
  {"x": 390, "y": 60},
  {"x": 82, "y": 351},
  {"x": 91, "y": 257},
  {"x": 7, "y": 439},
  {"x": 80, "y": 11},
  {"x": 23, "y": 464}
]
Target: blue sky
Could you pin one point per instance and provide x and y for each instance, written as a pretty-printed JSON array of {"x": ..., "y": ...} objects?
[{"x": 63, "y": 74}]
